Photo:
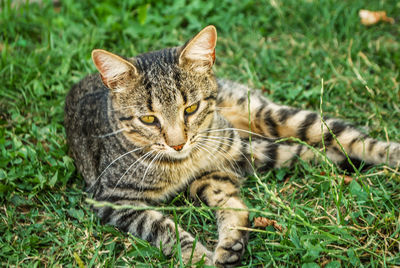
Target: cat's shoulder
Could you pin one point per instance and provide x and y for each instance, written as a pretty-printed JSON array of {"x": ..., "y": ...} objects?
[{"x": 91, "y": 85}]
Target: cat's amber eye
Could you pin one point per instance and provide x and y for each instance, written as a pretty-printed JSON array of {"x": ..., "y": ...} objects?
[
  {"x": 148, "y": 119},
  {"x": 191, "y": 109}
]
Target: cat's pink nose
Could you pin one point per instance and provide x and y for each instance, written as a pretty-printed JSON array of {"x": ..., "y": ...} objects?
[{"x": 178, "y": 147}]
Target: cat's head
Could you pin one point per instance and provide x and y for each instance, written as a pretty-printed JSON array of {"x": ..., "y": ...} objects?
[{"x": 163, "y": 99}]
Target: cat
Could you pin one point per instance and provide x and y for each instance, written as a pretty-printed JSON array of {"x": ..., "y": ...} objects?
[{"x": 151, "y": 126}]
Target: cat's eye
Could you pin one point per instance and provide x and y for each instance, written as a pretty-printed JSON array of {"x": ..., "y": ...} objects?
[
  {"x": 191, "y": 109},
  {"x": 148, "y": 119}
]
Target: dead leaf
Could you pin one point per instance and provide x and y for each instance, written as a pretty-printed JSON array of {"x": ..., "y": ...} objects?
[
  {"x": 57, "y": 6},
  {"x": 265, "y": 90},
  {"x": 346, "y": 179},
  {"x": 324, "y": 262},
  {"x": 264, "y": 222},
  {"x": 286, "y": 187},
  {"x": 372, "y": 17}
]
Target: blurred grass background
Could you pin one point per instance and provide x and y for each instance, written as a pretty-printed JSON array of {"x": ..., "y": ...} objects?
[{"x": 283, "y": 47}]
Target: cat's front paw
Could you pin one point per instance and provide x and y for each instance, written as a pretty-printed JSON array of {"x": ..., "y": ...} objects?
[{"x": 230, "y": 249}]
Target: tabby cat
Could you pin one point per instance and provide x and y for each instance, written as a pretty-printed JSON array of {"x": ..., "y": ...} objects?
[{"x": 151, "y": 126}]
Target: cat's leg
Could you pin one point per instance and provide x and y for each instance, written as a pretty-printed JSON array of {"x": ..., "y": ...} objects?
[
  {"x": 221, "y": 189},
  {"x": 279, "y": 121},
  {"x": 154, "y": 227}
]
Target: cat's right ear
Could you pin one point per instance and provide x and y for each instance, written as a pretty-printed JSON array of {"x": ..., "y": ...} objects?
[{"x": 115, "y": 71}]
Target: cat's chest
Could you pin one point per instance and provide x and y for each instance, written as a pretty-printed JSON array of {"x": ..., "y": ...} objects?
[{"x": 175, "y": 177}]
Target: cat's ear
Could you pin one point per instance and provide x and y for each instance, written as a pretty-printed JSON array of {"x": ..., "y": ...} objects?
[
  {"x": 115, "y": 71},
  {"x": 199, "y": 53}
]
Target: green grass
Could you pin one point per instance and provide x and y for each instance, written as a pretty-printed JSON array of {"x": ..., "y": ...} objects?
[{"x": 284, "y": 47}]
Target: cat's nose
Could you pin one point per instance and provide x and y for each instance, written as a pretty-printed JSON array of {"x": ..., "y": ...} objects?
[{"x": 178, "y": 147}]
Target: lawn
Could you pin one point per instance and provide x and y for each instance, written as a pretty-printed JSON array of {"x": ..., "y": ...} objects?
[{"x": 287, "y": 48}]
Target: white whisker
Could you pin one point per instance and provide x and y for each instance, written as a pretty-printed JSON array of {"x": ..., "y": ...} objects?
[
  {"x": 218, "y": 137},
  {"x": 225, "y": 107},
  {"x": 137, "y": 160},
  {"x": 156, "y": 159},
  {"x": 202, "y": 146},
  {"x": 230, "y": 161},
  {"x": 148, "y": 167},
  {"x": 227, "y": 138},
  {"x": 237, "y": 129},
  {"x": 112, "y": 162},
  {"x": 123, "y": 108},
  {"x": 112, "y": 133}
]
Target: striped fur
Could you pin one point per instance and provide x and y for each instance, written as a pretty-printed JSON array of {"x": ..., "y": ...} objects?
[
  {"x": 278, "y": 121},
  {"x": 127, "y": 161}
]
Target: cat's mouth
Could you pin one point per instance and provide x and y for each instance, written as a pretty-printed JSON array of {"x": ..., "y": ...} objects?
[
  {"x": 170, "y": 154},
  {"x": 179, "y": 155}
]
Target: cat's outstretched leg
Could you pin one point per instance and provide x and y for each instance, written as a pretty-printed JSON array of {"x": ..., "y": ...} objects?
[
  {"x": 156, "y": 228},
  {"x": 221, "y": 189},
  {"x": 279, "y": 121}
]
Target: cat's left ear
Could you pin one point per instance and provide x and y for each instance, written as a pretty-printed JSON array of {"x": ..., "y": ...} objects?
[
  {"x": 115, "y": 71},
  {"x": 199, "y": 53}
]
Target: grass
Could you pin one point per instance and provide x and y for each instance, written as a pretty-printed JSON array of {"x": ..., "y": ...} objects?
[{"x": 284, "y": 47}]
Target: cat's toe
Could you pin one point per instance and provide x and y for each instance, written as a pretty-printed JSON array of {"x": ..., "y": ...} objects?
[
  {"x": 226, "y": 258},
  {"x": 229, "y": 252},
  {"x": 237, "y": 247}
]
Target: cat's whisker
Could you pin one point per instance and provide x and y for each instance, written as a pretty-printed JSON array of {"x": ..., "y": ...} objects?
[
  {"x": 163, "y": 167},
  {"x": 222, "y": 129},
  {"x": 230, "y": 161},
  {"x": 209, "y": 155},
  {"x": 156, "y": 160},
  {"x": 218, "y": 137},
  {"x": 217, "y": 142},
  {"x": 148, "y": 167},
  {"x": 147, "y": 157},
  {"x": 140, "y": 159},
  {"x": 112, "y": 133},
  {"x": 123, "y": 108},
  {"x": 112, "y": 162},
  {"x": 204, "y": 147},
  {"x": 133, "y": 171},
  {"x": 159, "y": 159},
  {"x": 231, "y": 128},
  {"x": 240, "y": 151},
  {"x": 236, "y": 129},
  {"x": 225, "y": 108},
  {"x": 201, "y": 146}
]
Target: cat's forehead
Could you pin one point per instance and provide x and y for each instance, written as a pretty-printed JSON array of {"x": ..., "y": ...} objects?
[
  {"x": 162, "y": 84},
  {"x": 161, "y": 60},
  {"x": 164, "y": 80}
]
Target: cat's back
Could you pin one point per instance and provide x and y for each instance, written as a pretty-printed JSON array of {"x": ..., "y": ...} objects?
[
  {"x": 84, "y": 105},
  {"x": 90, "y": 87},
  {"x": 85, "y": 118}
]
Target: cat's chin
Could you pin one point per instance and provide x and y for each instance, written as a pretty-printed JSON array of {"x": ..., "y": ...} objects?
[{"x": 178, "y": 155}]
